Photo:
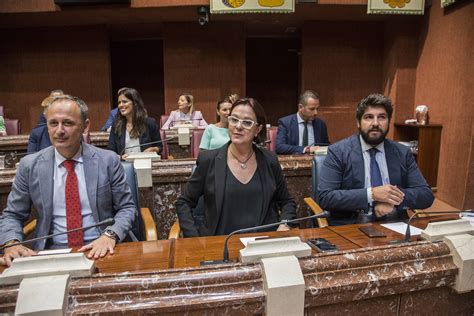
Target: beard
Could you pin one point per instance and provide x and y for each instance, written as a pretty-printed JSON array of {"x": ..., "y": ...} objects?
[{"x": 373, "y": 140}]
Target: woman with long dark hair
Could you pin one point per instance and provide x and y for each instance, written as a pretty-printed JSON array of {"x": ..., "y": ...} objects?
[{"x": 132, "y": 127}]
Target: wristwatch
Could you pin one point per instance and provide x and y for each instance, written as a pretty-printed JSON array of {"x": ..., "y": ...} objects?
[{"x": 111, "y": 234}]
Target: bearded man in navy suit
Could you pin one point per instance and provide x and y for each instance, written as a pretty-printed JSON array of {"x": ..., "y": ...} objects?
[
  {"x": 302, "y": 132},
  {"x": 367, "y": 177}
]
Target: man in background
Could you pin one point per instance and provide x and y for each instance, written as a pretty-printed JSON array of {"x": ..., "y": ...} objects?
[{"x": 303, "y": 132}]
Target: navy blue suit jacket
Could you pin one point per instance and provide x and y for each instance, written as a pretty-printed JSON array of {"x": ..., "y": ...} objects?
[
  {"x": 287, "y": 142},
  {"x": 110, "y": 120},
  {"x": 152, "y": 134},
  {"x": 341, "y": 184},
  {"x": 39, "y": 137}
]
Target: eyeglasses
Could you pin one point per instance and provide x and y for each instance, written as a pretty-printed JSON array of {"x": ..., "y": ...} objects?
[{"x": 247, "y": 124}]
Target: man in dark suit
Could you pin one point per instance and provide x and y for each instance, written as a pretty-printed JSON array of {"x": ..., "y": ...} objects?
[
  {"x": 70, "y": 184},
  {"x": 302, "y": 132},
  {"x": 367, "y": 177}
]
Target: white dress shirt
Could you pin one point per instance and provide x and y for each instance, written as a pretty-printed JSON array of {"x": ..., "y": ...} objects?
[
  {"x": 382, "y": 162},
  {"x": 59, "y": 200},
  {"x": 301, "y": 130}
]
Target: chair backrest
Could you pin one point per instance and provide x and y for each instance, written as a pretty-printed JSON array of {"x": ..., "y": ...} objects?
[
  {"x": 318, "y": 161},
  {"x": 12, "y": 126},
  {"x": 131, "y": 179},
  {"x": 165, "y": 151},
  {"x": 272, "y": 136},
  {"x": 196, "y": 141},
  {"x": 163, "y": 119}
]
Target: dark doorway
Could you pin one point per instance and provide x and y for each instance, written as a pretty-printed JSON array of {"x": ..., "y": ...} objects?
[
  {"x": 272, "y": 74},
  {"x": 139, "y": 64}
]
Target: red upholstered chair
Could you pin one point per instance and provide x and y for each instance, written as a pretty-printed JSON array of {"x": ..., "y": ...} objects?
[
  {"x": 164, "y": 152},
  {"x": 272, "y": 136},
  {"x": 13, "y": 126},
  {"x": 196, "y": 141},
  {"x": 163, "y": 119}
]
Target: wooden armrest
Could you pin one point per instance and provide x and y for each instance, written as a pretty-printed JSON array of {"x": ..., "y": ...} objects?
[
  {"x": 29, "y": 228},
  {"x": 175, "y": 230},
  {"x": 322, "y": 222},
  {"x": 149, "y": 225}
]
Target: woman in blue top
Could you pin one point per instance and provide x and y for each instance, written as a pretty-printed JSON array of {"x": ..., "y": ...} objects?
[{"x": 216, "y": 135}]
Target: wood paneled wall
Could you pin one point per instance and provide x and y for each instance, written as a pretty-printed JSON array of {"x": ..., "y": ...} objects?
[
  {"x": 342, "y": 61},
  {"x": 444, "y": 82},
  {"x": 399, "y": 68},
  {"x": 207, "y": 62},
  {"x": 36, "y": 61}
]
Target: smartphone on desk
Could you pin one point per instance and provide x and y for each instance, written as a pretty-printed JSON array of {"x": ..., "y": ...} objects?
[
  {"x": 321, "y": 244},
  {"x": 371, "y": 231}
]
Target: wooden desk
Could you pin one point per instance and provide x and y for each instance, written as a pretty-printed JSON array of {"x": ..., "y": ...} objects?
[
  {"x": 189, "y": 252},
  {"x": 407, "y": 279},
  {"x": 137, "y": 256},
  {"x": 354, "y": 235}
]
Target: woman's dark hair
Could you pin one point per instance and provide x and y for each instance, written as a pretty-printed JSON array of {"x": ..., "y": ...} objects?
[
  {"x": 259, "y": 113},
  {"x": 139, "y": 114},
  {"x": 375, "y": 100}
]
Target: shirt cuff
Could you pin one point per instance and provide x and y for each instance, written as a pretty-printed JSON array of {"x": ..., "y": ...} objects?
[{"x": 370, "y": 199}]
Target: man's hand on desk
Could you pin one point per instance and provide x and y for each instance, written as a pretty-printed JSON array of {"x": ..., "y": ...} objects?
[
  {"x": 283, "y": 228},
  {"x": 382, "y": 209},
  {"x": 311, "y": 149},
  {"x": 99, "y": 247},
  {"x": 388, "y": 194},
  {"x": 16, "y": 252}
]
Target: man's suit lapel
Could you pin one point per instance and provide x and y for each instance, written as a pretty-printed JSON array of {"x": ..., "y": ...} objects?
[
  {"x": 91, "y": 172},
  {"x": 220, "y": 177},
  {"x": 393, "y": 162},
  {"x": 357, "y": 161},
  {"x": 46, "y": 167},
  {"x": 294, "y": 135}
]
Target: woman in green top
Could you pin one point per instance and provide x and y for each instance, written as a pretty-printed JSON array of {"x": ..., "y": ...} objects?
[{"x": 217, "y": 135}]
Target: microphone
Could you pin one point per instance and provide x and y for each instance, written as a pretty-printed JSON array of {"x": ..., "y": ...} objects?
[
  {"x": 250, "y": 229},
  {"x": 105, "y": 222},
  {"x": 172, "y": 123},
  {"x": 146, "y": 144},
  {"x": 408, "y": 231}
]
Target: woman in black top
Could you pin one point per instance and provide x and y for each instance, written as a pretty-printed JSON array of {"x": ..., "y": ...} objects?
[
  {"x": 132, "y": 127},
  {"x": 241, "y": 182}
]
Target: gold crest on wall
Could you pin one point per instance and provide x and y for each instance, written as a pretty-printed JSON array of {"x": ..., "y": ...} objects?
[{"x": 252, "y": 6}]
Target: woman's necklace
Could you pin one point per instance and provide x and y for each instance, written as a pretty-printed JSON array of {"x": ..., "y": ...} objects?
[{"x": 243, "y": 164}]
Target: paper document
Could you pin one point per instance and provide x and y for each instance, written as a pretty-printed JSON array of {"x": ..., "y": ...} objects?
[
  {"x": 401, "y": 228},
  {"x": 245, "y": 240},
  {"x": 54, "y": 251}
]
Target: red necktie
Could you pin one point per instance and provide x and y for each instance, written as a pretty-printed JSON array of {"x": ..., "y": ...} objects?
[{"x": 73, "y": 207}]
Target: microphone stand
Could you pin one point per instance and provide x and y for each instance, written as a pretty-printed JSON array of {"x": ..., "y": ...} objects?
[
  {"x": 408, "y": 231},
  {"x": 146, "y": 144},
  {"x": 250, "y": 229},
  {"x": 109, "y": 221}
]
